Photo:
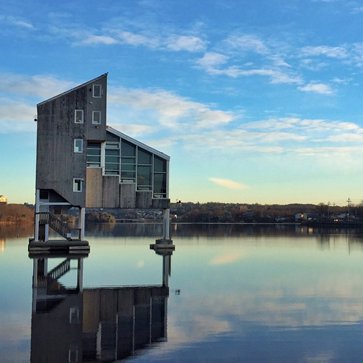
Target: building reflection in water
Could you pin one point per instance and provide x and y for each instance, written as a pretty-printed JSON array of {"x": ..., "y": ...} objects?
[{"x": 72, "y": 324}]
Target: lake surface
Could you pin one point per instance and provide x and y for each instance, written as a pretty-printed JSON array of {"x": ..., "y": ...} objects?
[{"x": 236, "y": 293}]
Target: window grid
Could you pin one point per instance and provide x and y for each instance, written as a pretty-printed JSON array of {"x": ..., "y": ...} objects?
[
  {"x": 128, "y": 162},
  {"x": 112, "y": 158},
  {"x": 144, "y": 168},
  {"x": 94, "y": 155}
]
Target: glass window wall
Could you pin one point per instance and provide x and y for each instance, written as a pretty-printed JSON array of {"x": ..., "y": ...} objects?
[
  {"x": 128, "y": 162},
  {"x": 93, "y": 154},
  {"x": 112, "y": 158}
]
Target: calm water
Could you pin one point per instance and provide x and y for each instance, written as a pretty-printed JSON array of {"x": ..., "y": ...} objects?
[{"x": 236, "y": 293}]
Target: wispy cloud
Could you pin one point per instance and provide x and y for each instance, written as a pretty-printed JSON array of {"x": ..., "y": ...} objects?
[
  {"x": 16, "y": 116},
  {"x": 327, "y": 51},
  {"x": 316, "y": 87},
  {"x": 35, "y": 86},
  {"x": 213, "y": 63},
  {"x": 17, "y": 22},
  {"x": 169, "y": 109},
  {"x": 171, "y": 119},
  {"x": 228, "y": 184},
  {"x": 247, "y": 43},
  {"x": 139, "y": 37},
  {"x": 136, "y": 39},
  {"x": 99, "y": 39},
  {"x": 185, "y": 43}
]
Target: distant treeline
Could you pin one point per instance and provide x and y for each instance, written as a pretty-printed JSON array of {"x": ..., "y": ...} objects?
[
  {"x": 259, "y": 213},
  {"x": 203, "y": 213},
  {"x": 16, "y": 214}
]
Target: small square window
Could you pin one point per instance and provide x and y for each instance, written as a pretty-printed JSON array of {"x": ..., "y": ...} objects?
[
  {"x": 96, "y": 117},
  {"x": 77, "y": 185},
  {"x": 97, "y": 91},
  {"x": 78, "y": 145},
  {"x": 78, "y": 116}
]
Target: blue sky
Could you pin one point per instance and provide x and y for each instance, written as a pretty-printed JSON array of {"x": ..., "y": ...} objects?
[{"x": 256, "y": 102}]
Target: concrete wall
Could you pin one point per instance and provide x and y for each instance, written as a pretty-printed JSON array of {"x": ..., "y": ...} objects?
[
  {"x": 110, "y": 192},
  {"x": 128, "y": 196},
  {"x": 143, "y": 200},
  {"x": 94, "y": 187}
]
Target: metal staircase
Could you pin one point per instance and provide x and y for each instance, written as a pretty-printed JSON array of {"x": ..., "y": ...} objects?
[
  {"x": 59, "y": 226},
  {"x": 60, "y": 270}
]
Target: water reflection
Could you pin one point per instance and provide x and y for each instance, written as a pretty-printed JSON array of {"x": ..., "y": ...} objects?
[
  {"x": 76, "y": 324},
  {"x": 257, "y": 231}
]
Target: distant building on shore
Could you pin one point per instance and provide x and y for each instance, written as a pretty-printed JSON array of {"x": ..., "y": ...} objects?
[{"x": 3, "y": 199}]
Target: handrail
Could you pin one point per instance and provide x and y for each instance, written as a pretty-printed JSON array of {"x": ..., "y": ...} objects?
[
  {"x": 60, "y": 270},
  {"x": 58, "y": 225}
]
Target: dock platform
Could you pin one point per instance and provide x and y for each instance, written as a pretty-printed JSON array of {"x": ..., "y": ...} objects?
[
  {"x": 51, "y": 247},
  {"x": 163, "y": 246}
]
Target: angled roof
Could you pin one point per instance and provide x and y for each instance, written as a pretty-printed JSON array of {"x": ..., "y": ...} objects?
[
  {"x": 136, "y": 142},
  {"x": 73, "y": 89}
]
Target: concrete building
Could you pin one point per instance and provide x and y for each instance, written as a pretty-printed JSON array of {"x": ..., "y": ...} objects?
[{"x": 82, "y": 162}]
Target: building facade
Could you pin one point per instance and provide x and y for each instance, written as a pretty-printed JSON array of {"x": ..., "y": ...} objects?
[{"x": 82, "y": 162}]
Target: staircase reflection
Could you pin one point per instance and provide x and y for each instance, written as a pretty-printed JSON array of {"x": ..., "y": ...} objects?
[{"x": 72, "y": 324}]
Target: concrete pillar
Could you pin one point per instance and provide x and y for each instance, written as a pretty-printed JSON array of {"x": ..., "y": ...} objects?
[
  {"x": 37, "y": 219},
  {"x": 166, "y": 224},
  {"x": 82, "y": 222},
  {"x": 166, "y": 269},
  {"x": 46, "y": 232},
  {"x": 35, "y": 272},
  {"x": 80, "y": 275}
]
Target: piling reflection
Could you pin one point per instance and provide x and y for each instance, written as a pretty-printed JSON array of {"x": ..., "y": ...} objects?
[{"x": 73, "y": 324}]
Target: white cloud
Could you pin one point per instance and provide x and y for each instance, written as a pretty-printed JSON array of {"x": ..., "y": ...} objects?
[
  {"x": 247, "y": 43},
  {"x": 315, "y": 87},
  {"x": 327, "y": 51},
  {"x": 162, "y": 41},
  {"x": 135, "y": 39},
  {"x": 227, "y": 183},
  {"x": 213, "y": 63},
  {"x": 185, "y": 43},
  {"x": 36, "y": 86},
  {"x": 305, "y": 125},
  {"x": 99, "y": 39},
  {"x": 18, "y": 22},
  {"x": 211, "y": 60},
  {"x": 16, "y": 116},
  {"x": 131, "y": 129},
  {"x": 168, "y": 109}
]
